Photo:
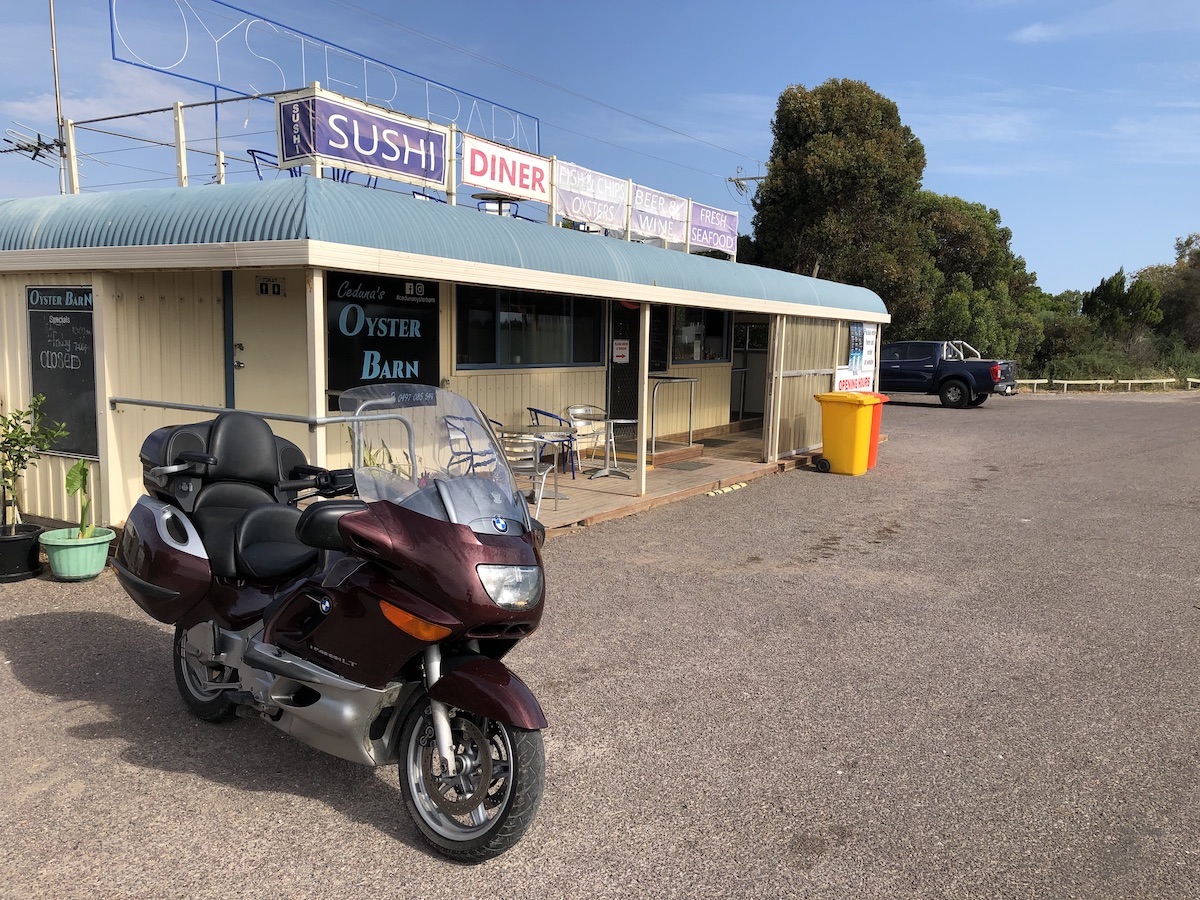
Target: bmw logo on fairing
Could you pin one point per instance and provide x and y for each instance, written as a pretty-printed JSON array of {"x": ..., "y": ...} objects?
[
  {"x": 325, "y": 605},
  {"x": 500, "y": 524}
]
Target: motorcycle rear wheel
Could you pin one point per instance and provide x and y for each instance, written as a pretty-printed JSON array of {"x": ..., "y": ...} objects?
[
  {"x": 484, "y": 809},
  {"x": 192, "y": 676}
]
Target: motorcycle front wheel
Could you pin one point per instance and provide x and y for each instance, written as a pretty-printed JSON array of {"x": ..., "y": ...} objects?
[{"x": 484, "y": 808}]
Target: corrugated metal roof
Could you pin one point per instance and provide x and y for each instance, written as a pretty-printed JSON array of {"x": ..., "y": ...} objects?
[{"x": 330, "y": 211}]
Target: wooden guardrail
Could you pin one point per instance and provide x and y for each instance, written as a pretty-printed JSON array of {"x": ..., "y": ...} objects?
[
  {"x": 1130, "y": 382},
  {"x": 1100, "y": 383},
  {"x": 1097, "y": 382}
]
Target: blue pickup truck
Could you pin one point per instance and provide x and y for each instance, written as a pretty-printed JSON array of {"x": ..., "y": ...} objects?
[{"x": 954, "y": 370}]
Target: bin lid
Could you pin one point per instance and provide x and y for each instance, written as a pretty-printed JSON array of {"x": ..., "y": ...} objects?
[{"x": 854, "y": 398}]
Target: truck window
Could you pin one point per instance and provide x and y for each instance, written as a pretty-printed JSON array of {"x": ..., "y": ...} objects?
[{"x": 920, "y": 351}]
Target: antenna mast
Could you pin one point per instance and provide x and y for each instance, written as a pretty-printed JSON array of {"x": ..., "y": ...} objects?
[{"x": 62, "y": 156}]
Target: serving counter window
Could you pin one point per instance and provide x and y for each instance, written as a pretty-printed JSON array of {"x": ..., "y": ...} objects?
[
  {"x": 700, "y": 335},
  {"x": 520, "y": 329}
]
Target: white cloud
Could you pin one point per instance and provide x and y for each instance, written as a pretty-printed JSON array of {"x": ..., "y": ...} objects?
[
  {"x": 1114, "y": 18},
  {"x": 1162, "y": 139}
]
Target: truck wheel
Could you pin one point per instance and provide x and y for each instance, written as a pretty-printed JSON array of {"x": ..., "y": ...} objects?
[
  {"x": 954, "y": 394},
  {"x": 980, "y": 400}
]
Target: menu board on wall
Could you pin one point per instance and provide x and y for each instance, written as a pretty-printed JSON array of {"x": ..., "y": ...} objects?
[
  {"x": 62, "y": 357},
  {"x": 380, "y": 331}
]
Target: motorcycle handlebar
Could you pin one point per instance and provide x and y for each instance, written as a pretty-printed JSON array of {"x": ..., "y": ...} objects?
[{"x": 298, "y": 484}]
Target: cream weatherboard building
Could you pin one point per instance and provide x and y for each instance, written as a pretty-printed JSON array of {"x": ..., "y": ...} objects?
[{"x": 124, "y": 308}]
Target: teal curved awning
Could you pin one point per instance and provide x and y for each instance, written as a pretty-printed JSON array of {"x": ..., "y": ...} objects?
[{"x": 336, "y": 213}]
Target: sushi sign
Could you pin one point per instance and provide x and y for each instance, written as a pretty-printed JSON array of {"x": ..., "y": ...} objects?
[{"x": 317, "y": 127}]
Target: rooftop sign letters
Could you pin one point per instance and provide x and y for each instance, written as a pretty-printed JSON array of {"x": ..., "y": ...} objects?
[
  {"x": 591, "y": 197},
  {"x": 316, "y": 127},
  {"x": 228, "y": 48},
  {"x": 505, "y": 170},
  {"x": 659, "y": 216},
  {"x": 713, "y": 229}
]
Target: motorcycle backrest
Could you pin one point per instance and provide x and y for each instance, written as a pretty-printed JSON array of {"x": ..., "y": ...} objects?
[{"x": 246, "y": 454}]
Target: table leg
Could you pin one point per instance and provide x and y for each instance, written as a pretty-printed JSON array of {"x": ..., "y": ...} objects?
[{"x": 609, "y": 463}]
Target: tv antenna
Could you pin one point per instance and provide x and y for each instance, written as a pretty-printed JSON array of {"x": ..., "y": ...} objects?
[
  {"x": 739, "y": 180},
  {"x": 40, "y": 149}
]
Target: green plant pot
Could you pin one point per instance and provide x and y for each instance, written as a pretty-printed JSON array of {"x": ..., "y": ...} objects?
[{"x": 73, "y": 558}]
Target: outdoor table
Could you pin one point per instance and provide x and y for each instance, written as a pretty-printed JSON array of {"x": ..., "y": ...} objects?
[{"x": 610, "y": 463}]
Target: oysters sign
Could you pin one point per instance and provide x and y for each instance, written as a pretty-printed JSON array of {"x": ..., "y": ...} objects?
[{"x": 319, "y": 127}]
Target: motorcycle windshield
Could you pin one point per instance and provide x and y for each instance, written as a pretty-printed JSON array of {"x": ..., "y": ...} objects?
[{"x": 431, "y": 451}]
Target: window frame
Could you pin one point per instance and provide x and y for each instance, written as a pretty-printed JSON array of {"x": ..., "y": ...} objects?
[{"x": 507, "y": 300}]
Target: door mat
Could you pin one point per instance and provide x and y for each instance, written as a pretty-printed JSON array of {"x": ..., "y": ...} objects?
[
  {"x": 686, "y": 465},
  {"x": 717, "y": 442}
]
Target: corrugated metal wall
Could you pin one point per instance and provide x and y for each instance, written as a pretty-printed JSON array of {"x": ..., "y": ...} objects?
[
  {"x": 711, "y": 403},
  {"x": 808, "y": 344},
  {"x": 41, "y": 492},
  {"x": 164, "y": 340},
  {"x": 159, "y": 336},
  {"x": 505, "y": 396}
]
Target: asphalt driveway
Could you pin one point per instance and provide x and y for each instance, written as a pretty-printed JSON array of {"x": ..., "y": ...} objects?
[{"x": 970, "y": 672}]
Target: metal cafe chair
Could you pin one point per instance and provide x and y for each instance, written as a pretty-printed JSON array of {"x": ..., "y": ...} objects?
[
  {"x": 464, "y": 451},
  {"x": 548, "y": 420},
  {"x": 589, "y": 431},
  {"x": 524, "y": 454}
]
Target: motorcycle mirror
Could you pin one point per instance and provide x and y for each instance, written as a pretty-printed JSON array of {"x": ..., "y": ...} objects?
[{"x": 539, "y": 532}]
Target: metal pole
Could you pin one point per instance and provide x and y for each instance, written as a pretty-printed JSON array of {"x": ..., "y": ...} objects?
[{"x": 62, "y": 159}]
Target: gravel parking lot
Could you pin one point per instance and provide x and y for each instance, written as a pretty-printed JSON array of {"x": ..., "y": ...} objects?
[{"x": 968, "y": 673}]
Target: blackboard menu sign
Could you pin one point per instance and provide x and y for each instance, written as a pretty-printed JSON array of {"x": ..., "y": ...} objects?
[
  {"x": 380, "y": 330},
  {"x": 63, "y": 358}
]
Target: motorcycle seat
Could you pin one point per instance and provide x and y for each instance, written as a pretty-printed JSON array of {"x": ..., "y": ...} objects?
[
  {"x": 246, "y": 475},
  {"x": 265, "y": 544}
]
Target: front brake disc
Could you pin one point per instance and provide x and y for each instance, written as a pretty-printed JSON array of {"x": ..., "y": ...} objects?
[{"x": 470, "y": 786}]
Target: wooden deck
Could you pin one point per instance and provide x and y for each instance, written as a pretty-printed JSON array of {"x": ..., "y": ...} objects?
[{"x": 726, "y": 461}]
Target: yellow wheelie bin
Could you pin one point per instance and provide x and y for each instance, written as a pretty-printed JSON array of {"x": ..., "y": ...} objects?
[{"x": 846, "y": 431}]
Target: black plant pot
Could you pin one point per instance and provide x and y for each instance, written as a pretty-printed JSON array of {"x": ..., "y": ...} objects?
[{"x": 20, "y": 552}]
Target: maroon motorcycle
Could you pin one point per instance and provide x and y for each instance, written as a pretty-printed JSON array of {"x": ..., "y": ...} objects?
[{"x": 370, "y": 627}]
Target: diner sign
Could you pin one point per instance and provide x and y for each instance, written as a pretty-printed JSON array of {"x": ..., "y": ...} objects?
[
  {"x": 713, "y": 229},
  {"x": 659, "y": 215},
  {"x": 594, "y": 198},
  {"x": 505, "y": 170},
  {"x": 322, "y": 128}
]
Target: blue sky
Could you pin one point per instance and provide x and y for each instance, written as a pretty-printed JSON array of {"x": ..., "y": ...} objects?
[{"x": 1078, "y": 120}]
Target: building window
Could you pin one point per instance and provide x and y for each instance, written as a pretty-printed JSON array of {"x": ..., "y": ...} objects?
[
  {"x": 521, "y": 329},
  {"x": 700, "y": 335}
]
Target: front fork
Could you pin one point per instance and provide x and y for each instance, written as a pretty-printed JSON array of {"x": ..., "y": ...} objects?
[{"x": 440, "y": 711}]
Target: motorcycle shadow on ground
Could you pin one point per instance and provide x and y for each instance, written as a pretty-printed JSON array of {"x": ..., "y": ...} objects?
[{"x": 123, "y": 668}]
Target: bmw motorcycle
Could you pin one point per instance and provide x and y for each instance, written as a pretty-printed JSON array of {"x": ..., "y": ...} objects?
[{"x": 365, "y": 611}]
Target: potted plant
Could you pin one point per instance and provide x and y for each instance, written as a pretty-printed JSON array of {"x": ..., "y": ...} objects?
[
  {"x": 79, "y": 552},
  {"x": 24, "y": 434}
]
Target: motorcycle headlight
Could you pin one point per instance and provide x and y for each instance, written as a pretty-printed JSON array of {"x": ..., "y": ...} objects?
[{"x": 512, "y": 587}]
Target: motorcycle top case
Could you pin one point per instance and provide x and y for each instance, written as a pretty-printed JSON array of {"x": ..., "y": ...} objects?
[{"x": 161, "y": 562}]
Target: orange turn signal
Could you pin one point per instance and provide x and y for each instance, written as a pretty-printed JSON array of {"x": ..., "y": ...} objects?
[{"x": 410, "y": 624}]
